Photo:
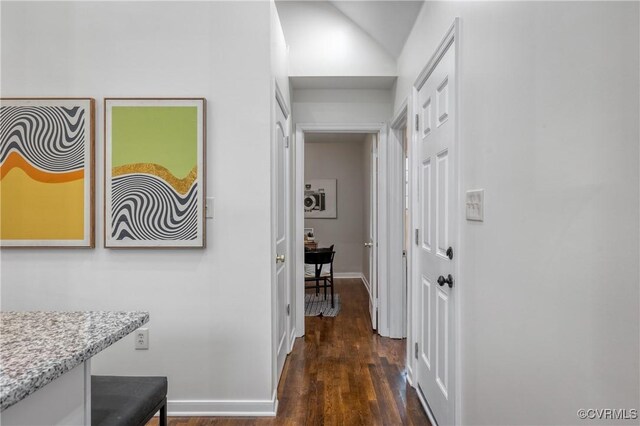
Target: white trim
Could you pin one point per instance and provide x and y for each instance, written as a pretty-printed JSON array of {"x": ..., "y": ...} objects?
[
  {"x": 400, "y": 118},
  {"x": 381, "y": 129},
  {"x": 211, "y": 408},
  {"x": 272, "y": 223},
  {"x": 449, "y": 37},
  {"x": 455, "y": 29},
  {"x": 396, "y": 308},
  {"x": 412, "y": 293},
  {"x": 292, "y": 340},
  {"x": 410, "y": 376},
  {"x": 340, "y": 127},
  {"x": 282, "y": 101},
  {"x": 366, "y": 284},
  {"x": 298, "y": 220},
  {"x": 348, "y": 275}
]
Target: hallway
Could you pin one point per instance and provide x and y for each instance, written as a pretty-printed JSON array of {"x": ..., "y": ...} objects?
[{"x": 340, "y": 374}]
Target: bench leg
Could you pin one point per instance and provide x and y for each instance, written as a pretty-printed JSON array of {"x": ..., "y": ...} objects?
[{"x": 163, "y": 414}]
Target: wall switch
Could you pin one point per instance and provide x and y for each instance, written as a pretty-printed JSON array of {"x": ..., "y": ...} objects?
[
  {"x": 475, "y": 205},
  {"x": 209, "y": 208},
  {"x": 141, "y": 336}
]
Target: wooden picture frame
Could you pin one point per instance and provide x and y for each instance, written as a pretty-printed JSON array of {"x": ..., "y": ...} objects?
[
  {"x": 155, "y": 168},
  {"x": 47, "y": 172}
]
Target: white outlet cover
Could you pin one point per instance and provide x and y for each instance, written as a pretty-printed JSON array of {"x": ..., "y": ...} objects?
[
  {"x": 209, "y": 208},
  {"x": 141, "y": 338},
  {"x": 474, "y": 205}
]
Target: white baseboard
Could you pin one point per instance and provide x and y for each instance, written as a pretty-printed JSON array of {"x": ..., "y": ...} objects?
[
  {"x": 226, "y": 408},
  {"x": 366, "y": 283},
  {"x": 347, "y": 274},
  {"x": 292, "y": 340}
]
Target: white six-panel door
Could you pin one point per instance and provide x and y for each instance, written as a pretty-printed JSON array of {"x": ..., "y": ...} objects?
[
  {"x": 435, "y": 236},
  {"x": 282, "y": 229}
]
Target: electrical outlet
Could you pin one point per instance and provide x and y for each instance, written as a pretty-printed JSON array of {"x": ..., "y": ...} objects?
[{"x": 141, "y": 336}]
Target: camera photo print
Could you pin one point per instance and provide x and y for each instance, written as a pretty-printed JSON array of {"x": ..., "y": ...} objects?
[{"x": 320, "y": 199}]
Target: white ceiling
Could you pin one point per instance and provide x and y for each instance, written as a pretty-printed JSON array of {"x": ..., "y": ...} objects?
[
  {"x": 388, "y": 22},
  {"x": 334, "y": 137}
]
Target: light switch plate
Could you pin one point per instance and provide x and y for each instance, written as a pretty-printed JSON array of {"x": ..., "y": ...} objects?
[
  {"x": 474, "y": 204},
  {"x": 209, "y": 208}
]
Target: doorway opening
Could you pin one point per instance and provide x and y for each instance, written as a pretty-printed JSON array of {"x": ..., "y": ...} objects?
[
  {"x": 337, "y": 180},
  {"x": 340, "y": 211},
  {"x": 345, "y": 353},
  {"x": 399, "y": 226}
]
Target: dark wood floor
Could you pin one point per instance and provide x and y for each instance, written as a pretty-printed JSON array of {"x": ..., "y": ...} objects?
[{"x": 340, "y": 373}]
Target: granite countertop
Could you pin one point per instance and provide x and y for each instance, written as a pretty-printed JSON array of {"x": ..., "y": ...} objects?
[{"x": 38, "y": 347}]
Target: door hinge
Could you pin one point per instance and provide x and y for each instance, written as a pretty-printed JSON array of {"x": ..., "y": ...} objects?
[
  {"x": 416, "y": 350},
  {"x": 417, "y": 122},
  {"x": 288, "y": 309},
  {"x": 417, "y": 236},
  {"x": 286, "y": 142}
]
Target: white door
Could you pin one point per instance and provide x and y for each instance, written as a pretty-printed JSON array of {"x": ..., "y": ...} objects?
[
  {"x": 281, "y": 231},
  {"x": 373, "y": 237},
  {"x": 436, "y": 231}
]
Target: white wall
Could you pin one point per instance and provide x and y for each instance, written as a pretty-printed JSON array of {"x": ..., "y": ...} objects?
[
  {"x": 549, "y": 128},
  {"x": 210, "y": 329},
  {"x": 341, "y": 160},
  {"x": 280, "y": 73},
  {"x": 324, "y": 42},
  {"x": 338, "y": 106},
  {"x": 279, "y": 54}
]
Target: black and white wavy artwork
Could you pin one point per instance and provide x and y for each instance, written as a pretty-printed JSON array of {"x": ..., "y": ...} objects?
[
  {"x": 51, "y": 138},
  {"x": 146, "y": 208}
]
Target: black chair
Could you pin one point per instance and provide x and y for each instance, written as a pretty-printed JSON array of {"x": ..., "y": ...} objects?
[
  {"x": 131, "y": 401},
  {"x": 319, "y": 258}
]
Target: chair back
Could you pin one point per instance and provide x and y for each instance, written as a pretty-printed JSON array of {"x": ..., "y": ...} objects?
[{"x": 319, "y": 257}]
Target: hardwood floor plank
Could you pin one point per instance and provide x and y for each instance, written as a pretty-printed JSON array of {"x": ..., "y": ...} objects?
[{"x": 340, "y": 373}]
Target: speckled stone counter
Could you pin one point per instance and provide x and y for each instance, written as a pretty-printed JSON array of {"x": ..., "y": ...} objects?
[{"x": 38, "y": 347}]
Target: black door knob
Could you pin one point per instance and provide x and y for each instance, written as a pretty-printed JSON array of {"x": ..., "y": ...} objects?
[
  {"x": 442, "y": 280},
  {"x": 450, "y": 253}
]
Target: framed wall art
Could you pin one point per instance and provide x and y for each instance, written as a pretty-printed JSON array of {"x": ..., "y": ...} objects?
[
  {"x": 320, "y": 199},
  {"x": 47, "y": 172},
  {"x": 154, "y": 172}
]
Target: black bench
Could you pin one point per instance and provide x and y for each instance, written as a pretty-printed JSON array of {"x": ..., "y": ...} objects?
[{"x": 127, "y": 401}]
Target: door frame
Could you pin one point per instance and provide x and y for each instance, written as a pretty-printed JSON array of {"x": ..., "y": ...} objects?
[
  {"x": 279, "y": 101},
  {"x": 452, "y": 36},
  {"x": 397, "y": 297},
  {"x": 298, "y": 238}
]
